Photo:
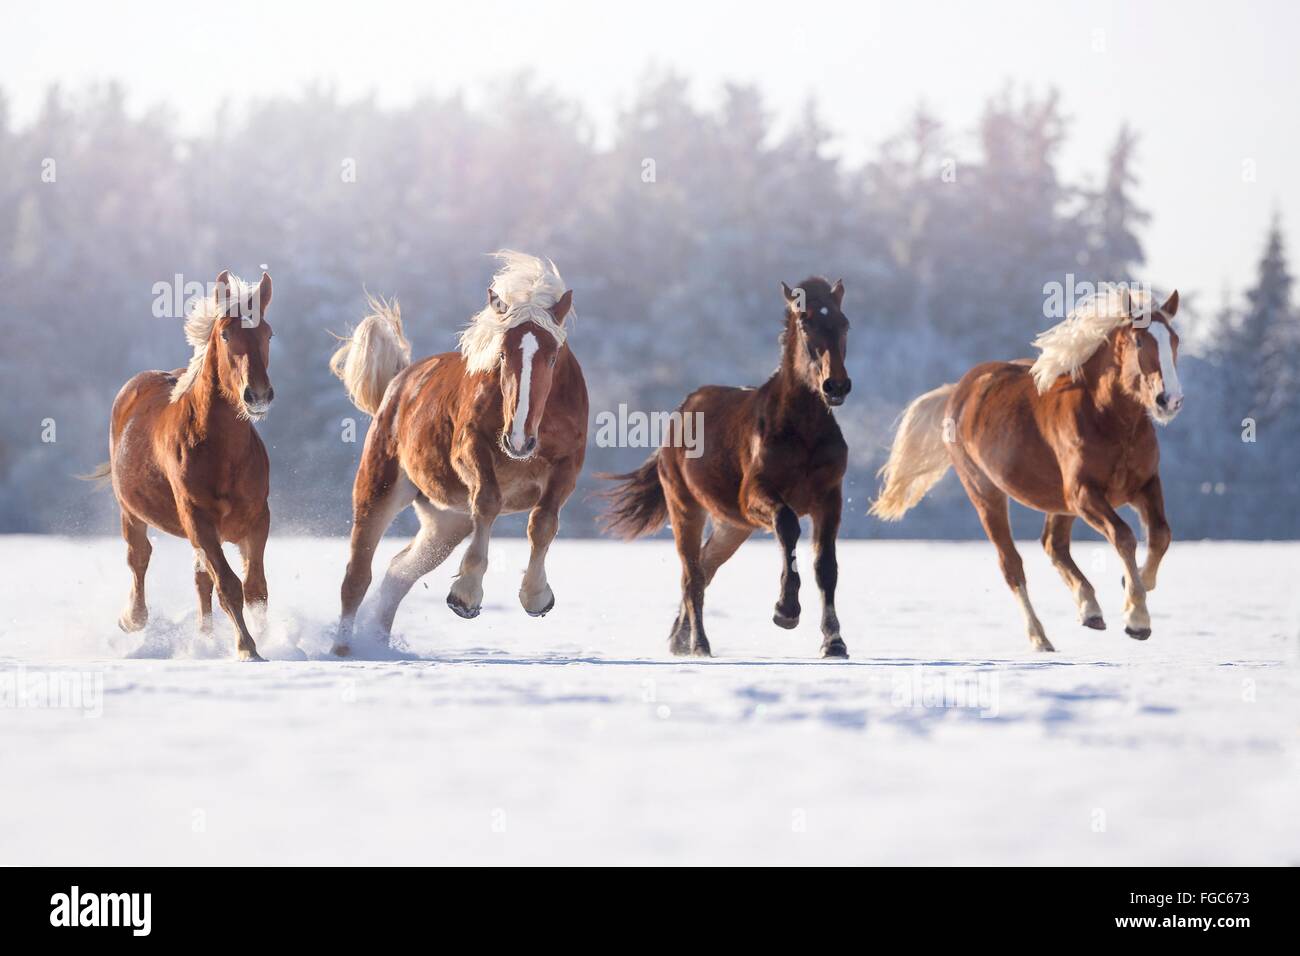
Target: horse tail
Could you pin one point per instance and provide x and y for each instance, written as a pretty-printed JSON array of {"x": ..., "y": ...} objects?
[
  {"x": 370, "y": 358},
  {"x": 917, "y": 459},
  {"x": 101, "y": 474},
  {"x": 636, "y": 504}
]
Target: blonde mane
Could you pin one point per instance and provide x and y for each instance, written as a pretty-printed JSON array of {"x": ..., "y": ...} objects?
[
  {"x": 529, "y": 287},
  {"x": 1066, "y": 346},
  {"x": 198, "y": 329}
]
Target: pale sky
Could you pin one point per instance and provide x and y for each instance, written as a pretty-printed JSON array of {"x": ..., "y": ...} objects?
[{"x": 1209, "y": 86}]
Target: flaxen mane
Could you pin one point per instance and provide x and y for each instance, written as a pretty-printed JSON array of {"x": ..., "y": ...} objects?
[
  {"x": 1066, "y": 346},
  {"x": 198, "y": 328},
  {"x": 529, "y": 287}
]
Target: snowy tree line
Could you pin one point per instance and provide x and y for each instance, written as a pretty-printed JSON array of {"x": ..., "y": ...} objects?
[{"x": 674, "y": 231}]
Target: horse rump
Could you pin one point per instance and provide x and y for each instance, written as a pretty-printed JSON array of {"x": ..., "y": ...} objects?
[{"x": 636, "y": 505}]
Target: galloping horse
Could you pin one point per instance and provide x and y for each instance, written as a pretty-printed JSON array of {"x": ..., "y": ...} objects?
[
  {"x": 498, "y": 427},
  {"x": 1069, "y": 434},
  {"x": 184, "y": 456},
  {"x": 771, "y": 454}
]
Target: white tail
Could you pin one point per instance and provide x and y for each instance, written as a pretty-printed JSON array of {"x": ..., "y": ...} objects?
[
  {"x": 918, "y": 458},
  {"x": 372, "y": 355}
]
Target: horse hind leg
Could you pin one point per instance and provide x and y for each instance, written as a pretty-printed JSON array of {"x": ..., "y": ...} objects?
[
  {"x": 440, "y": 532},
  {"x": 1056, "y": 542},
  {"x": 138, "y": 549},
  {"x": 723, "y": 542},
  {"x": 991, "y": 504},
  {"x": 376, "y": 501}
]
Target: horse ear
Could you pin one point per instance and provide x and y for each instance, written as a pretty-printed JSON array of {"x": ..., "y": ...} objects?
[
  {"x": 264, "y": 293},
  {"x": 837, "y": 293},
  {"x": 794, "y": 298},
  {"x": 496, "y": 302},
  {"x": 1170, "y": 308},
  {"x": 222, "y": 293},
  {"x": 561, "y": 308}
]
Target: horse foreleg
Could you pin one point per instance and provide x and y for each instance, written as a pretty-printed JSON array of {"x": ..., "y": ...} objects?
[
  {"x": 203, "y": 536},
  {"x": 138, "y": 550},
  {"x": 1056, "y": 542},
  {"x": 767, "y": 510},
  {"x": 1150, "y": 503},
  {"x": 440, "y": 532},
  {"x": 253, "y": 550},
  {"x": 826, "y": 525},
  {"x": 535, "y": 592},
  {"x": 1093, "y": 507},
  {"x": 203, "y": 585},
  {"x": 466, "y": 594}
]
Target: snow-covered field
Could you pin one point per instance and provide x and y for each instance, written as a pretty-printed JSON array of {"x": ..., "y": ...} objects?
[{"x": 576, "y": 739}]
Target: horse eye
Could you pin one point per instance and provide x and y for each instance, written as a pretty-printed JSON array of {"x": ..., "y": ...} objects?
[{"x": 225, "y": 335}]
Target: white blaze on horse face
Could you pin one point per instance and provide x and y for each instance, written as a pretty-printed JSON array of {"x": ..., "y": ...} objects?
[
  {"x": 528, "y": 346},
  {"x": 1168, "y": 370}
]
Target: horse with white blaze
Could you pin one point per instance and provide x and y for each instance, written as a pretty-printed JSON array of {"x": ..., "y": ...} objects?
[{"x": 498, "y": 427}]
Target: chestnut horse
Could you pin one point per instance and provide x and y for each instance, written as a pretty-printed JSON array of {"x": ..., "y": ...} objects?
[
  {"x": 771, "y": 454},
  {"x": 496, "y": 428},
  {"x": 1070, "y": 434},
  {"x": 184, "y": 456}
]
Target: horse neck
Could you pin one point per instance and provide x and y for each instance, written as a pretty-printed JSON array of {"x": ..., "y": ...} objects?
[
  {"x": 1101, "y": 375},
  {"x": 794, "y": 397},
  {"x": 211, "y": 416}
]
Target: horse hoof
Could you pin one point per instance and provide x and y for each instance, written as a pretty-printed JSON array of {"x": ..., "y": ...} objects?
[
  {"x": 789, "y": 623},
  {"x": 1096, "y": 622},
  {"x": 701, "y": 649},
  {"x": 341, "y": 650},
  {"x": 130, "y": 624},
  {"x": 1045, "y": 646},
  {"x": 1138, "y": 633},
  {"x": 835, "y": 648},
  {"x": 542, "y": 613},
  {"x": 461, "y": 608},
  {"x": 247, "y": 655}
]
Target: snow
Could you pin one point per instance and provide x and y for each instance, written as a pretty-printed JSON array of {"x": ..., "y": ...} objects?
[{"x": 576, "y": 739}]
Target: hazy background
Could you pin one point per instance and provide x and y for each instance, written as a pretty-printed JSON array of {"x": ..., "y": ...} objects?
[{"x": 1142, "y": 141}]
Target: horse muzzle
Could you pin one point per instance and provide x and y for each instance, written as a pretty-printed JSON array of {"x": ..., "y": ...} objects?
[
  {"x": 835, "y": 390},
  {"x": 521, "y": 453},
  {"x": 1167, "y": 407}
]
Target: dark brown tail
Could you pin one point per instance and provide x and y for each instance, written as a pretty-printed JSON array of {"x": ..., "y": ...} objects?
[{"x": 636, "y": 505}]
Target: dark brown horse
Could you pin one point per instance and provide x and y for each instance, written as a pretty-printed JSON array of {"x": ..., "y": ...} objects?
[
  {"x": 771, "y": 454},
  {"x": 184, "y": 456},
  {"x": 496, "y": 428},
  {"x": 1070, "y": 434}
]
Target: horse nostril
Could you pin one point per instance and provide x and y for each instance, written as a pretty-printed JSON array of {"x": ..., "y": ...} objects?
[
  {"x": 530, "y": 445},
  {"x": 248, "y": 395},
  {"x": 270, "y": 394},
  {"x": 1162, "y": 400}
]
